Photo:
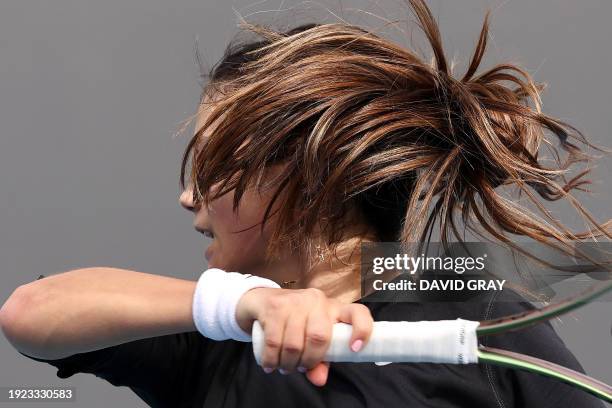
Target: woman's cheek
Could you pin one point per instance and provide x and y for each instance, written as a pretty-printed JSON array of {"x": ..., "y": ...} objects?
[{"x": 240, "y": 252}]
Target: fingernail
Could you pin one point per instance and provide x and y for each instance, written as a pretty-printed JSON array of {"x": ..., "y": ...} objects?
[
  {"x": 268, "y": 370},
  {"x": 301, "y": 369},
  {"x": 283, "y": 372},
  {"x": 356, "y": 346}
]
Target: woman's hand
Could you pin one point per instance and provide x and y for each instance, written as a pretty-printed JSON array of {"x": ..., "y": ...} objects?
[{"x": 297, "y": 327}]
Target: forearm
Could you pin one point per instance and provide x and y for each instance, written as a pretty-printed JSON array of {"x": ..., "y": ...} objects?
[{"x": 93, "y": 308}]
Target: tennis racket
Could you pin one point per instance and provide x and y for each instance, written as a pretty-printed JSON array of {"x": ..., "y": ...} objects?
[{"x": 456, "y": 342}]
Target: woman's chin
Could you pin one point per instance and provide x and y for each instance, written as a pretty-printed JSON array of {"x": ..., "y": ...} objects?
[{"x": 209, "y": 255}]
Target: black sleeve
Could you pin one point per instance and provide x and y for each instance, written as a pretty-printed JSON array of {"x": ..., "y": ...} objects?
[
  {"x": 519, "y": 388},
  {"x": 158, "y": 369}
]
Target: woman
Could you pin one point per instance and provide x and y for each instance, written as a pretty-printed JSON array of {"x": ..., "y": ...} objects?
[{"x": 308, "y": 144}]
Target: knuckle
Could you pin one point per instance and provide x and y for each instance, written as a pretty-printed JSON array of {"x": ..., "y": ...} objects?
[
  {"x": 362, "y": 333},
  {"x": 317, "y": 338},
  {"x": 292, "y": 348},
  {"x": 276, "y": 303},
  {"x": 316, "y": 292},
  {"x": 361, "y": 308},
  {"x": 272, "y": 343}
]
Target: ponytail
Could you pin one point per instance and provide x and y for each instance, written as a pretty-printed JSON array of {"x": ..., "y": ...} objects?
[{"x": 364, "y": 123}]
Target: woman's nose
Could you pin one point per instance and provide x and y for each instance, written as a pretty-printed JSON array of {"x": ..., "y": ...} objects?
[{"x": 186, "y": 199}]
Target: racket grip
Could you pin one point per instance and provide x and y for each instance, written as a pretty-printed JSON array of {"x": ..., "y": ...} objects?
[{"x": 441, "y": 341}]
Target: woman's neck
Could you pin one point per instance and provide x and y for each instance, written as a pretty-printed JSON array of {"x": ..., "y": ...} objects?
[{"x": 338, "y": 276}]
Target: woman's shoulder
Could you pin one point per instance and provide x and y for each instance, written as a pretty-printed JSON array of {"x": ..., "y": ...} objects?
[{"x": 477, "y": 307}]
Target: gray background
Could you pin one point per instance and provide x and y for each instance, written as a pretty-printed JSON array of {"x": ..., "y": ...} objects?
[{"x": 92, "y": 91}]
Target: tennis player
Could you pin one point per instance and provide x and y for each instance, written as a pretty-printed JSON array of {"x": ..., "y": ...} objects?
[{"x": 307, "y": 144}]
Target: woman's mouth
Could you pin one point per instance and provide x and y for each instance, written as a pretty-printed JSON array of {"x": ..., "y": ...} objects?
[{"x": 206, "y": 232}]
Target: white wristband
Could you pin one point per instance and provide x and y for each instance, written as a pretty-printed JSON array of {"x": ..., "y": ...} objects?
[{"x": 215, "y": 299}]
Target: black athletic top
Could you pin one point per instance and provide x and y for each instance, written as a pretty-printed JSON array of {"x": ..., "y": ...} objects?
[{"x": 189, "y": 370}]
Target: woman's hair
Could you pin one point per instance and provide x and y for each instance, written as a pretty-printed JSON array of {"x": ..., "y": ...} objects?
[{"x": 363, "y": 123}]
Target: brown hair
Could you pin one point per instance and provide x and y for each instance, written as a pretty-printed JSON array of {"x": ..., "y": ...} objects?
[{"x": 365, "y": 123}]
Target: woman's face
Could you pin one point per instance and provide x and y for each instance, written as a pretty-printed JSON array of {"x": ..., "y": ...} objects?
[{"x": 229, "y": 250}]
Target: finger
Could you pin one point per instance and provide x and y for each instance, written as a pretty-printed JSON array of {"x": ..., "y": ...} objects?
[
  {"x": 360, "y": 318},
  {"x": 318, "y": 375},
  {"x": 316, "y": 338},
  {"x": 293, "y": 342},
  {"x": 273, "y": 337}
]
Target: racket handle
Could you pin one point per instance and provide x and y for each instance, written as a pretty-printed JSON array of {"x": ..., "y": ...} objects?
[{"x": 442, "y": 341}]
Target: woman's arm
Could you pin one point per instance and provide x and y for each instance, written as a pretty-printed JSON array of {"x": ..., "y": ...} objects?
[{"x": 93, "y": 308}]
